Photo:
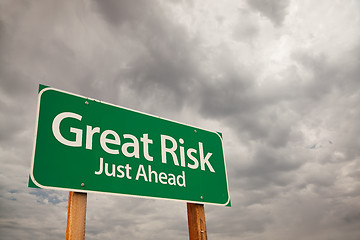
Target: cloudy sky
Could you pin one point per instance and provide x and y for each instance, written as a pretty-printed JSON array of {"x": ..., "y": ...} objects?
[{"x": 279, "y": 78}]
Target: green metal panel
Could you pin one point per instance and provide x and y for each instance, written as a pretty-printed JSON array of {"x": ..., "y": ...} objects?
[{"x": 189, "y": 165}]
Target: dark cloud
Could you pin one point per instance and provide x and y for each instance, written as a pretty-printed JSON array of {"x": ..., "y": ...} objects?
[
  {"x": 247, "y": 29},
  {"x": 254, "y": 112},
  {"x": 164, "y": 62},
  {"x": 122, "y": 12},
  {"x": 226, "y": 97},
  {"x": 269, "y": 167},
  {"x": 275, "y": 10},
  {"x": 167, "y": 65}
]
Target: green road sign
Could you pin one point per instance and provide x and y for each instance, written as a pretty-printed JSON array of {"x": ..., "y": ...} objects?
[{"x": 86, "y": 145}]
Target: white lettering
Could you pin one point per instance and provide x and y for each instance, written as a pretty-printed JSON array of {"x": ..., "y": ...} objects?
[
  {"x": 119, "y": 169},
  {"x": 89, "y": 135},
  {"x": 134, "y": 144},
  {"x": 196, "y": 163},
  {"x": 141, "y": 173},
  {"x": 152, "y": 173},
  {"x": 104, "y": 141},
  {"x": 101, "y": 167},
  {"x": 128, "y": 168},
  {"x": 171, "y": 150},
  {"x": 181, "y": 178},
  {"x": 182, "y": 153},
  {"x": 107, "y": 170},
  {"x": 163, "y": 178},
  {"x": 56, "y": 129},
  {"x": 146, "y": 141},
  {"x": 172, "y": 180},
  {"x": 205, "y": 160}
]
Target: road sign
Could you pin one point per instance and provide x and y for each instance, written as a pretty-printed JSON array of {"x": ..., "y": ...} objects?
[{"x": 86, "y": 145}]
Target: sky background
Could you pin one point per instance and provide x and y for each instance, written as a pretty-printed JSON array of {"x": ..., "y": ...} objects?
[{"x": 279, "y": 78}]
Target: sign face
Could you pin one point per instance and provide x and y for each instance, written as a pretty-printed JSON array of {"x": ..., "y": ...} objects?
[{"x": 86, "y": 145}]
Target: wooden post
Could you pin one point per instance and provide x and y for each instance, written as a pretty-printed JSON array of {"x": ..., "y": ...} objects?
[
  {"x": 196, "y": 221},
  {"x": 76, "y": 217}
]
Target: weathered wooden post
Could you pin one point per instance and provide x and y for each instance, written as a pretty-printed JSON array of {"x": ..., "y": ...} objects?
[{"x": 76, "y": 218}]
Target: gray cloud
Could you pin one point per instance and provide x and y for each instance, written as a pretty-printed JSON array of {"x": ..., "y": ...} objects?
[
  {"x": 247, "y": 29},
  {"x": 122, "y": 12},
  {"x": 276, "y": 11}
]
